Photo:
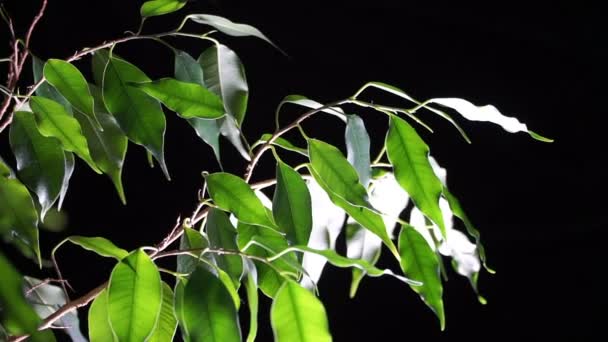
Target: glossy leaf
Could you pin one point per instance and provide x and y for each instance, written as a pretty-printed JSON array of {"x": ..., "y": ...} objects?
[
  {"x": 99, "y": 322},
  {"x": 46, "y": 299},
  {"x": 45, "y": 89},
  {"x": 167, "y": 323},
  {"x": 40, "y": 160},
  {"x": 233, "y": 194},
  {"x": 70, "y": 82},
  {"x": 420, "y": 262},
  {"x": 251, "y": 287},
  {"x": 189, "y": 100},
  {"x": 108, "y": 147},
  {"x": 160, "y": 7},
  {"x": 54, "y": 121},
  {"x": 298, "y": 316},
  {"x": 281, "y": 142},
  {"x": 222, "y": 234},
  {"x": 208, "y": 310},
  {"x": 291, "y": 205},
  {"x": 69, "y": 164},
  {"x": 98, "y": 245},
  {"x": 178, "y": 306},
  {"x": 134, "y": 297},
  {"x": 358, "y": 148},
  {"x": 191, "y": 239},
  {"x": 409, "y": 156},
  {"x": 18, "y": 216},
  {"x": 230, "y": 28},
  {"x": 187, "y": 69},
  {"x": 303, "y": 101},
  {"x": 139, "y": 115}
]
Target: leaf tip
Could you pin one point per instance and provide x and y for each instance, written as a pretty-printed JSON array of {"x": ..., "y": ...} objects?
[{"x": 539, "y": 137}]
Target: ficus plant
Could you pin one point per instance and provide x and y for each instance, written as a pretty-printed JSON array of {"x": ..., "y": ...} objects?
[{"x": 272, "y": 237}]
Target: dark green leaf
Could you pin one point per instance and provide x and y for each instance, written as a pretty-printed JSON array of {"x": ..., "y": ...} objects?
[
  {"x": 99, "y": 323},
  {"x": 139, "y": 115},
  {"x": 222, "y": 234},
  {"x": 98, "y": 245},
  {"x": 187, "y": 69},
  {"x": 233, "y": 194},
  {"x": 160, "y": 7},
  {"x": 167, "y": 323},
  {"x": 18, "y": 216},
  {"x": 209, "y": 313},
  {"x": 357, "y": 148},
  {"x": 191, "y": 239},
  {"x": 55, "y": 121},
  {"x": 251, "y": 286},
  {"x": 298, "y": 316},
  {"x": 134, "y": 297},
  {"x": 70, "y": 163},
  {"x": 420, "y": 262},
  {"x": 409, "y": 156},
  {"x": 281, "y": 142},
  {"x": 40, "y": 160},
  {"x": 45, "y": 89},
  {"x": 291, "y": 205},
  {"x": 68, "y": 80},
  {"x": 209, "y": 131}
]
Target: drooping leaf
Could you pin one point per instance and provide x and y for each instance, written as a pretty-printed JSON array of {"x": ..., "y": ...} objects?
[
  {"x": 191, "y": 239},
  {"x": 40, "y": 160},
  {"x": 178, "y": 307},
  {"x": 108, "y": 148},
  {"x": 487, "y": 113},
  {"x": 134, "y": 297},
  {"x": 69, "y": 165},
  {"x": 54, "y": 121},
  {"x": 420, "y": 262},
  {"x": 160, "y": 7},
  {"x": 409, "y": 156},
  {"x": 189, "y": 100},
  {"x": 281, "y": 142},
  {"x": 303, "y": 101},
  {"x": 18, "y": 216},
  {"x": 233, "y": 194},
  {"x": 291, "y": 205},
  {"x": 99, "y": 322},
  {"x": 251, "y": 287},
  {"x": 139, "y": 115},
  {"x": 46, "y": 299},
  {"x": 98, "y": 245},
  {"x": 167, "y": 323},
  {"x": 45, "y": 89},
  {"x": 68, "y": 80},
  {"x": 298, "y": 316},
  {"x": 187, "y": 69},
  {"x": 358, "y": 148},
  {"x": 230, "y": 28},
  {"x": 208, "y": 310},
  {"x": 222, "y": 234}
]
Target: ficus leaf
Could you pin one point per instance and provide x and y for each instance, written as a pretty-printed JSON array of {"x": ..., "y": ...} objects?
[
  {"x": 189, "y": 100},
  {"x": 99, "y": 322},
  {"x": 222, "y": 234},
  {"x": 281, "y": 142},
  {"x": 251, "y": 287},
  {"x": 98, "y": 245},
  {"x": 298, "y": 316},
  {"x": 167, "y": 323},
  {"x": 303, "y": 101},
  {"x": 409, "y": 156},
  {"x": 358, "y": 148},
  {"x": 134, "y": 297},
  {"x": 161, "y": 7},
  {"x": 191, "y": 239},
  {"x": 69, "y": 164},
  {"x": 45, "y": 89}
]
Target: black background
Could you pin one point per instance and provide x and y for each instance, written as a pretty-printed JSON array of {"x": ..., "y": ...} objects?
[{"x": 540, "y": 207}]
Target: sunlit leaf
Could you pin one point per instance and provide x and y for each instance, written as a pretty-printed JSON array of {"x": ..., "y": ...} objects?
[
  {"x": 281, "y": 142},
  {"x": 160, "y": 7},
  {"x": 420, "y": 262},
  {"x": 409, "y": 155},
  {"x": 167, "y": 323},
  {"x": 251, "y": 287},
  {"x": 134, "y": 297},
  {"x": 209, "y": 313},
  {"x": 98, "y": 245},
  {"x": 45, "y": 89},
  {"x": 298, "y": 316},
  {"x": 99, "y": 322},
  {"x": 222, "y": 234},
  {"x": 139, "y": 115},
  {"x": 357, "y": 148},
  {"x": 189, "y": 100}
]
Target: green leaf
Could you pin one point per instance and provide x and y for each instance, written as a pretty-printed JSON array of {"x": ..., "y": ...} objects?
[
  {"x": 251, "y": 287},
  {"x": 231, "y": 193},
  {"x": 189, "y": 100},
  {"x": 209, "y": 313},
  {"x": 45, "y": 89},
  {"x": 160, "y": 7},
  {"x": 303, "y": 101},
  {"x": 167, "y": 323},
  {"x": 409, "y": 156},
  {"x": 281, "y": 142},
  {"x": 55, "y": 121},
  {"x": 108, "y": 147},
  {"x": 99, "y": 322},
  {"x": 420, "y": 262},
  {"x": 191, "y": 239},
  {"x": 98, "y": 245},
  {"x": 18, "y": 216},
  {"x": 17, "y": 316},
  {"x": 187, "y": 69},
  {"x": 46, "y": 299},
  {"x": 222, "y": 234},
  {"x": 70, "y": 163},
  {"x": 361, "y": 244},
  {"x": 134, "y": 297},
  {"x": 357, "y": 148},
  {"x": 68, "y": 80},
  {"x": 291, "y": 205},
  {"x": 178, "y": 306},
  {"x": 139, "y": 115},
  {"x": 298, "y": 316},
  {"x": 40, "y": 160},
  {"x": 5, "y": 171},
  {"x": 230, "y": 28}
]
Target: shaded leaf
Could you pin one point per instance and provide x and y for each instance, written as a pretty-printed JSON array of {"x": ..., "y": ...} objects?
[
  {"x": 281, "y": 142},
  {"x": 358, "y": 147},
  {"x": 187, "y": 69},
  {"x": 5, "y": 171},
  {"x": 160, "y": 7},
  {"x": 99, "y": 322},
  {"x": 178, "y": 306},
  {"x": 420, "y": 262},
  {"x": 191, "y": 239},
  {"x": 45, "y": 89},
  {"x": 167, "y": 323},
  {"x": 134, "y": 297},
  {"x": 222, "y": 234},
  {"x": 409, "y": 156},
  {"x": 312, "y": 104},
  {"x": 98, "y": 245},
  {"x": 251, "y": 287},
  {"x": 298, "y": 316},
  {"x": 70, "y": 163}
]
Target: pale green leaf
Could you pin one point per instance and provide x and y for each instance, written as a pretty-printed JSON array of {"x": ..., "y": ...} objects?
[
  {"x": 358, "y": 148},
  {"x": 167, "y": 323},
  {"x": 161, "y": 7},
  {"x": 291, "y": 205},
  {"x": 222, "y": 234},
  {"x": 99, "y": 322}
]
